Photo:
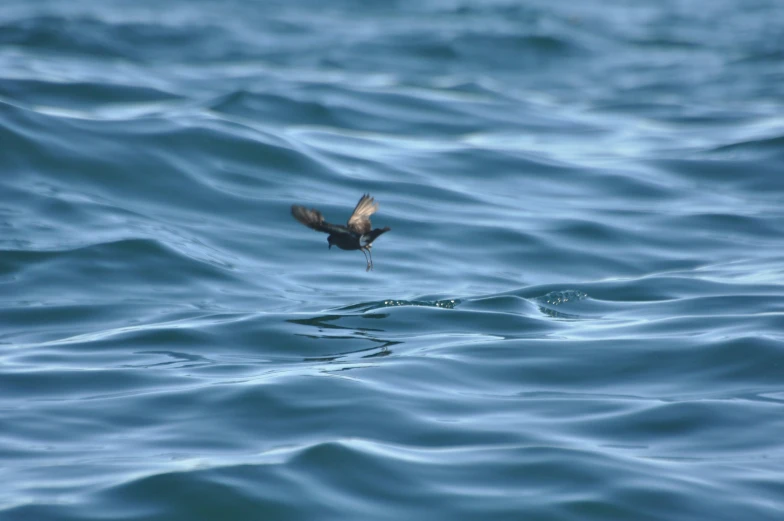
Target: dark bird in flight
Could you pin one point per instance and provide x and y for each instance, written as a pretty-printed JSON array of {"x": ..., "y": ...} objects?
[{"x": 356, "y": 235}]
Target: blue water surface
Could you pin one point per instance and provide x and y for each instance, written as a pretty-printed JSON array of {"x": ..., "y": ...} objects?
[{"x": 577, "y": 315}]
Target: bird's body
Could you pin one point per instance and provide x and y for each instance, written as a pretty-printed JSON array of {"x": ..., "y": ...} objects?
[{"x": 356, "y": 235}]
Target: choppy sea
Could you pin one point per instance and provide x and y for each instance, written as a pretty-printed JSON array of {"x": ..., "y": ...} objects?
[{"x": 577, "y": 315}]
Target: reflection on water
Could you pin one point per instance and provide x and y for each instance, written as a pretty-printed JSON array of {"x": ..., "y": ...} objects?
[{"x": 325, "y": 323}]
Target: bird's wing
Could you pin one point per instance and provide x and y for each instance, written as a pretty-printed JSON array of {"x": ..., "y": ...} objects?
[
  {"x": 359, "y": 222},
  {"x": 314, "y": 220}
]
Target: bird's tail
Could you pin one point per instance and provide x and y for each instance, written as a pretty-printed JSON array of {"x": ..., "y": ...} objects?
[{"x": 372, "y": 235}]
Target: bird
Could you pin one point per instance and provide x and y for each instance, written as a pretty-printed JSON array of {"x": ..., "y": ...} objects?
[{"x": 356, "y": 235}]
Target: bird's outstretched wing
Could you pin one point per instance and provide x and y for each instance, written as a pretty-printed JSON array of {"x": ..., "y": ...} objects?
[
  {"x": 314, "y": 220},
  {"x": 359, "y": 222}
]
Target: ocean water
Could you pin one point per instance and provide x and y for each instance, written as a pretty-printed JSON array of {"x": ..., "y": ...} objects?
[{"x": 577, "y": 315}]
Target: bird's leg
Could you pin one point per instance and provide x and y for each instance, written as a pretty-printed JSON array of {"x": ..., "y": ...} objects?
[
  {"x": 371, "y": 256},
  {"x": 366, "y": 259}
]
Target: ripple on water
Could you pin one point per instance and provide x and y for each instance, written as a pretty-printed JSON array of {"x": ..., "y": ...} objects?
[{"x": 577, "y": 314}]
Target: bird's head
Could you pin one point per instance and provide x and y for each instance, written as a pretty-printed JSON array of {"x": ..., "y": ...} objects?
[{"x": 329, "y": 240}]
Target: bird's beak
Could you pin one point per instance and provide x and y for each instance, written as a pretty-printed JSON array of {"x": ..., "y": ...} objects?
[{"x": 330, "y": 247}]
